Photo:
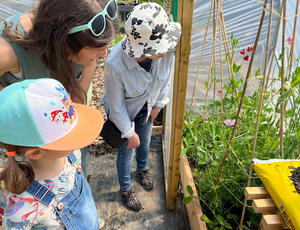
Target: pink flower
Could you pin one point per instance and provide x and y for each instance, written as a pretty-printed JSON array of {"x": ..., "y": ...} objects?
[
  {"x": 242, "y": 52},
  {"x": 219, "y": 93},
  {"x": 246, "y": 58},
  {"x": 196, "y": 103},
  {"x": 229, "y": 122},
  {"x": 289, "y": 40},
  {"x": 250, "y": 48}
]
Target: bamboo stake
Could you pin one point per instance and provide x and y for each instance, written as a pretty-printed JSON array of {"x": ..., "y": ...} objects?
[
  {"x": 214, "y": 53},
  {"x": 261, "y": 101},
  {"x": 210, "y": 65},
  {"x": 275, "y": 45},
  {"x": 244, "y": 90},
  {"x": 225, "y": 42},
  {"x": 292, "y": 48},
  {"x": 208, "y": 83},
  {"x": 221, "y": 63},
  {"x": 294, "y": 38},
  {"x": 282, "y": 77},
  {"x": 200, "y": 61}
]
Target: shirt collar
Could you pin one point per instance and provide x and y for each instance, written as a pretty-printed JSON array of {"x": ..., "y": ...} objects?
[{"x": 130, "y": 62}]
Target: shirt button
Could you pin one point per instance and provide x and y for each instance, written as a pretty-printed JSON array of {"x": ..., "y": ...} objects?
[{"x": 60, "y": 206}]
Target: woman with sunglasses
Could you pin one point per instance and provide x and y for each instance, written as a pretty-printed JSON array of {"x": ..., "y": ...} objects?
[{"x": 61, "y": 39}]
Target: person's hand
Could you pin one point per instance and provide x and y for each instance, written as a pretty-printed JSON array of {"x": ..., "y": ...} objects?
[
  {"x": 134, "y": 141},
  {"x": 154, "y": 112}
]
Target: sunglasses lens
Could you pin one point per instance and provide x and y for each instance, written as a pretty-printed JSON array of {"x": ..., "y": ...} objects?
[
  {"x": 98, "y": 24},
  {"x": 112, "y": 9}
]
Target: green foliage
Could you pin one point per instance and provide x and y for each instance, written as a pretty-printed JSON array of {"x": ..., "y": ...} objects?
[
  {"x": 187, "y": 199},
  {"x": 205, "y": 141},
  {"x": 189, "y": 190},
  {"x": 116, "y": 40},
  {"x": 160, "y": 2}
]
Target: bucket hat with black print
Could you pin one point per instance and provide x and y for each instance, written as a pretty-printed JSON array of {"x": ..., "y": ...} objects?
[{"x": 149, "y": 31}]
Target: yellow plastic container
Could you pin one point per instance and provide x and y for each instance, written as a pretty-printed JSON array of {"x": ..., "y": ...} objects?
[{"x": 278, "y": 177}]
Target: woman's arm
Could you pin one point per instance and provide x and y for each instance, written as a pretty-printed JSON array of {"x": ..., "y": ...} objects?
[{"x": 8, "y": 61}]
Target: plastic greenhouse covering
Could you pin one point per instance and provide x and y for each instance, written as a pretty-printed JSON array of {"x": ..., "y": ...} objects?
[
  {"x": 10, "y": 7},
  {"x": 242, "y": 19}
]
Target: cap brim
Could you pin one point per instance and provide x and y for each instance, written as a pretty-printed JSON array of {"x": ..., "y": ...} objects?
[{"x": 87, "y": 129}]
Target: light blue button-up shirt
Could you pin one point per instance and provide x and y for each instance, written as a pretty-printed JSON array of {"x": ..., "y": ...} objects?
[{"x": 128, "y": 87}]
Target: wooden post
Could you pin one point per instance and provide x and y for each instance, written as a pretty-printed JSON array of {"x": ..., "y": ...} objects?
[{"x": 185, "y": 17}]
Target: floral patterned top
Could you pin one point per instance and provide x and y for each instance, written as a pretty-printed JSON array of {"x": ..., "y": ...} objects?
[{"x": 22, "y": 211}]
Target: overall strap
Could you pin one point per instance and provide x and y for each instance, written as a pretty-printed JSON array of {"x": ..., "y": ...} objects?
[
  {"x": 41, "y": 192},
  {"x": 72, "y": 158}
]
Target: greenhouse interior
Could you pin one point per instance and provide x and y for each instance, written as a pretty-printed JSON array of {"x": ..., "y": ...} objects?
[{"x": 228, "y": 144}]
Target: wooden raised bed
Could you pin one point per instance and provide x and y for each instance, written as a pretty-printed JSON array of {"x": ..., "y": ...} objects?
[{"x": 193, "y": 208}]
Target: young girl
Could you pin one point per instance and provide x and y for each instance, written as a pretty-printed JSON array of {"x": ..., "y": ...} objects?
[
  {"x": 60, "y": 39},
  {"x": 40, "y": 129}
]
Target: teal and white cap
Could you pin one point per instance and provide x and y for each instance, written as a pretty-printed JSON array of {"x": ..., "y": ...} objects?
[{"x": 40, "y": 113}]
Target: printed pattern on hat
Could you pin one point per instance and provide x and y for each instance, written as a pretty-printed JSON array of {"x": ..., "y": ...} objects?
[{"x": 149, "y": 31}]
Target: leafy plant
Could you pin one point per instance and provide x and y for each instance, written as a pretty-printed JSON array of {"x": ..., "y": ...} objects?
[
  {"x": 116, "y": 40},
  {"x": 205, "y": 141}
]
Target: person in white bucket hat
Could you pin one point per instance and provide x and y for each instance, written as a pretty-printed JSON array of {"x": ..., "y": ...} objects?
[{"x": 137, "y": 79}]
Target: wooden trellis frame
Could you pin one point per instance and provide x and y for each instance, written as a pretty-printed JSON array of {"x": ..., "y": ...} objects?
[{"x": 185, "y": 18}]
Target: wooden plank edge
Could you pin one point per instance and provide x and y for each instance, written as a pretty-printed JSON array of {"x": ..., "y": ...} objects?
[
  {"x": 165, "y": 162},
  {"x": 193, "y": 208},
  {"x": 252, "y": 193},
  {"x": 264, "y": 206},
  {"x": 273, "y": 222}
]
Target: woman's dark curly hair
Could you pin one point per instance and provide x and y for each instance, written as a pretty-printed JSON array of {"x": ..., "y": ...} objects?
[{"x": 52, "y": 20}]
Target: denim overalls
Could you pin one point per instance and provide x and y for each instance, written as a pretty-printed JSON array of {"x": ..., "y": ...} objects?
[{"x": 77, "y": 208}]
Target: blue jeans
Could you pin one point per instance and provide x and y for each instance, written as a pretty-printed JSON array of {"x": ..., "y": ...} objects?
[
  {"x": 84, "y": 154},
  {"x": 125, "y": 155}
]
